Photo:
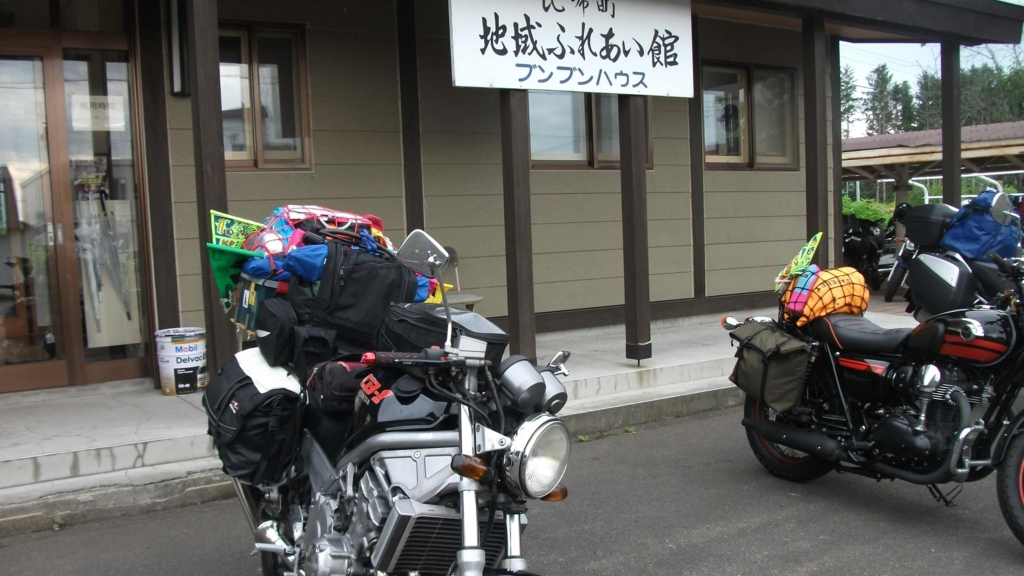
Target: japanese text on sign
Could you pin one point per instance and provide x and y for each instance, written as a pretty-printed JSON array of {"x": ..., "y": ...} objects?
[
  {"x": 606, "y": 46},
  {"x": 97, "y": 113}
]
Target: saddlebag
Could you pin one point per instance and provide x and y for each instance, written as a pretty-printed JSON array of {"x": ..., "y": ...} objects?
[
  {"x": 771, "y": 365},
  {"x": 333, "y": 386},
  {"x": 254, "y": 415},
  {"x": 413, "y": 327}
]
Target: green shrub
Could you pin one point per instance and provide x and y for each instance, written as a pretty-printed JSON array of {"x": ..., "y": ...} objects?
[{"x": 867, "y": 209}]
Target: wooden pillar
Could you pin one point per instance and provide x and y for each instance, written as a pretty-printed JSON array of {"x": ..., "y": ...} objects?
[
  {"x": 837, "y": 155},
  {"x": 409, "y": 91},
  {"x": 816, "y": 133},
  {"x": 951, "y": 123},
  {"x": 696, "y": 110},
  {"x": 636, "y": 264},
  {"x": 515, "y": 159},
  {"x": 157, "y": 160},
  {"x": 211, "y": 186}
]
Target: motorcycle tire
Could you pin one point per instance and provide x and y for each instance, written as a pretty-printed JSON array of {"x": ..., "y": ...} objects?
[
  {"x": 781, "y": 461},
  {"x": 272, "y": 564},
  {"x": 895, "y": 282},
  {"x": 1010, "y": 487}
]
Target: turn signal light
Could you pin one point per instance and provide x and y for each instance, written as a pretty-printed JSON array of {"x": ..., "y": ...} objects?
[
  {"x": 472, "y": 467},
  {"x": 558, "y": 494}
]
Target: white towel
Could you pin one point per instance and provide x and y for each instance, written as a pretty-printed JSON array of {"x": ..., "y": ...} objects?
[{"x": 265, "y": 376}]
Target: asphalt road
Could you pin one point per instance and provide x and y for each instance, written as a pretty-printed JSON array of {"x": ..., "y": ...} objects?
[{"x": 681, "y": 497}]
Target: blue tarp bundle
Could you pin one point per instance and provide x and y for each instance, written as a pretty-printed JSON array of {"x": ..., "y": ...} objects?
[{"x": 974, "y": 232}]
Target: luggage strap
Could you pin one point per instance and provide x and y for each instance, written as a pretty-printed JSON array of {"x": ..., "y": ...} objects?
[{"x": 275, "y": 425}]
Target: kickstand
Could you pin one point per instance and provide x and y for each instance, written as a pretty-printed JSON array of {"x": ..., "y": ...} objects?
[{"x": 948, "y": 497}]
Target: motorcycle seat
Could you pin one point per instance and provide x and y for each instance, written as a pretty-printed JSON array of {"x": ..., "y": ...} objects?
[
  {"x": 852, "y": 333},
  {"x": 990, "y": 277}
]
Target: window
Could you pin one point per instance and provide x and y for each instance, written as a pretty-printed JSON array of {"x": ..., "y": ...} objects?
[
  {"x": 749, "y": 117},
  {"x": 576, "y": 130},
  {"x": 263, "y": 69}
]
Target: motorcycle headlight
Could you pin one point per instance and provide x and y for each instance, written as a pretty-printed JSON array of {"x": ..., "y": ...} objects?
[{"x": 538, "y": 456}]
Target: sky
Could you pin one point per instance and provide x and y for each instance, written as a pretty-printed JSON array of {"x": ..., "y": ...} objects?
[{"x": 906, "y": 61}]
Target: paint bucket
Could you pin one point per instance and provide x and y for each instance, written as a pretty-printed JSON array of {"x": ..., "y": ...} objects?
[{"x": 181, "y": 357}]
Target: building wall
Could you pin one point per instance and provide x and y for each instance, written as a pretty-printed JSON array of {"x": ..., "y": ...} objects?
[
  {"x": 356, "y": 130},
  {"x": 755, "y": 221},
  {"x": 577, "y": 214}
]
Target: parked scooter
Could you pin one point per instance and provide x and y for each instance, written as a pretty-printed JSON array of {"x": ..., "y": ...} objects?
[
  {"x": 431, "y": 474},
  {"x": 838, "y": 393}
]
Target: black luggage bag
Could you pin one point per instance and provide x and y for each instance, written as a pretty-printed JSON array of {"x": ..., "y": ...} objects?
[
  {"x": 413, "y": 327},
  {"x": 256, "y": 434}
]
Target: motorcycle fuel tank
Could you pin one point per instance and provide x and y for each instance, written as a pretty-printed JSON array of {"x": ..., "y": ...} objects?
[
  {"x": 402, "y": 404},
  {"x": 974, "y": 336},
  {"x": 939, "y": 284}
]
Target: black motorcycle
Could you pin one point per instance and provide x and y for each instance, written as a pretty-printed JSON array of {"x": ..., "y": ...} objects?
[
  {"x": 893, "y": 403},
  {"x": 924, "y": 263},
  {"x": 863, "y": 244}
]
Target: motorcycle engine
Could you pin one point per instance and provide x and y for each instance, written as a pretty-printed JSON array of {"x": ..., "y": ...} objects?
[{"x": 919, "y": 435}]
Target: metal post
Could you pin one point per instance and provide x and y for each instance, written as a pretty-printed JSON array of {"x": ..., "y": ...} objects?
[{"x": 951, "y": 123}]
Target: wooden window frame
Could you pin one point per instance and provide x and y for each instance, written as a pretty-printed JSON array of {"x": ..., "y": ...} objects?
[
  {"x": 592, "y": 163},
  {"x": 259, "y": 163},
  {"x": 751, "y": 164}
]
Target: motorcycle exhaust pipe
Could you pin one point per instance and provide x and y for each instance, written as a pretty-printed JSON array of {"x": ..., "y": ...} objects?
[{"x": 814, "y": 443}]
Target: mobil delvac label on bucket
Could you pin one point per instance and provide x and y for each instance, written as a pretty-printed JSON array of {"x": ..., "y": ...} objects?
[{"x": 181, "y": 356}]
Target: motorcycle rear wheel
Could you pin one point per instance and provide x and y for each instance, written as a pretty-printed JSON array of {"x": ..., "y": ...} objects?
[
  {"x": 781, "y": 461},
  {"x": 895, "y": 282},
  {"x": 1010, "y": 487}
]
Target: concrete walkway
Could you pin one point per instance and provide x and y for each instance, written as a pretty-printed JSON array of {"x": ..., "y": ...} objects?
[{"x": 110, "y": 449}]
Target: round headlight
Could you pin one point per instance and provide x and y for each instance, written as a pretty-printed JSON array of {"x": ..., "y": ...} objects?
[{"x": 538, "y": 456}]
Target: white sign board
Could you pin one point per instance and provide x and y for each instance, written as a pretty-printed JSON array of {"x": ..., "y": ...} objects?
[
  {"x": 604, "y": 46},
  {"x": 97, "y": 113}
]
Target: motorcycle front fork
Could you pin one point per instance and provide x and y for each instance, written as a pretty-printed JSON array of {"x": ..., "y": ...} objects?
[{"x": 472, "y": 559}]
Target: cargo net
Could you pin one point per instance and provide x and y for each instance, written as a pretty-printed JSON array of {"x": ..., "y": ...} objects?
[{"x": 820, "y": 292}]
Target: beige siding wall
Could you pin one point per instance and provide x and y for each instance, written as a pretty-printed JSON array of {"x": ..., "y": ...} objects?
[
  {"x": 755, "y": 221},
  {"x": 577, "y": 219},
  {"x": 354, "y": 108}
]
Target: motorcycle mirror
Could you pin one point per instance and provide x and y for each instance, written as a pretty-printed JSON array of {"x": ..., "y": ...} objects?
[
  {"x": 1002, "y": 209},
  {"x": 558, "y": 359},
  {"x": 423, "y": 254}
]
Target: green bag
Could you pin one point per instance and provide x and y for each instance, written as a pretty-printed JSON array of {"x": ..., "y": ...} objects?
[{"x": 771, "y": 365}]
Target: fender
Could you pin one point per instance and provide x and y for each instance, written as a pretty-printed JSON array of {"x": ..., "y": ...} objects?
[{"x": 1015, "y": 427}]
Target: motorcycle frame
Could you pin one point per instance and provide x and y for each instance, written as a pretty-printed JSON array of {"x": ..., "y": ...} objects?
[{"x": 991, "y": 443}]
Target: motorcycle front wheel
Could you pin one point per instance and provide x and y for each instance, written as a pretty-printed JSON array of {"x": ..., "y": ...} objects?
[
  {"x": 781, "y": 461},
  {"x": 1010, "y": 487},
  {"x": 895, "y": 281}
]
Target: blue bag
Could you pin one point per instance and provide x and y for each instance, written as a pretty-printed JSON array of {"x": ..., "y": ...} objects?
[
  {"x": 974, "y": 232},
  {"x": 307, "y": 262}
]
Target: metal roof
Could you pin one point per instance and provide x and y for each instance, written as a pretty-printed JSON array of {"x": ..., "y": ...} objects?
[{"x": 981, "y": 133}]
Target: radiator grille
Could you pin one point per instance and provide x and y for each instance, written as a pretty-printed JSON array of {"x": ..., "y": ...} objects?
[{"x": 432, "y": 543}]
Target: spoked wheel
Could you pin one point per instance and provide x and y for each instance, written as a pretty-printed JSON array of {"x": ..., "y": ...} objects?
[
  {"x": 1010, "y": 487},
  {"x": 782, "y": 461}
]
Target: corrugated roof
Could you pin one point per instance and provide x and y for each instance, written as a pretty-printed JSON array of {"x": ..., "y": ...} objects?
[{"x": 981, "y": 133}]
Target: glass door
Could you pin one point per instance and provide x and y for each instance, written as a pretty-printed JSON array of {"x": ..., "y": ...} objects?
[
  {"x": 104, "y": 196},
  {"x": 32, "y": 346}
]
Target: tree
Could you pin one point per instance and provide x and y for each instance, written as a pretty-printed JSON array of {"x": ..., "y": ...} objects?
[
  {"x": 905, "y": 107},
  {"x": 848, "y": 101},
  {"x": 929, "y": 101},
  {"x": 877, "y": 104}
]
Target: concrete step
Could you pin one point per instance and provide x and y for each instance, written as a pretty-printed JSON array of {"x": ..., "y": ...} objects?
[
  {"x": 102, "y": 460},
  {"x": 89, "y": 431},
  {"x": 642, "y": 406}
]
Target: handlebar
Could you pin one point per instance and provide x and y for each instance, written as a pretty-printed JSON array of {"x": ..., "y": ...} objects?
[
  {"x": 1002, "y": 263},
  {"x": 428, "y": 357}
]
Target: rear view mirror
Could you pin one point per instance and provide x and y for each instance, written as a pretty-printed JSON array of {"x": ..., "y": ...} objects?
[
  {"x": 423, "y": 254},
  {"x": 1002, "y": 209}
]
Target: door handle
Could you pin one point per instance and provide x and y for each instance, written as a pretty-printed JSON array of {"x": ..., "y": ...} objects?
[{"x": 60, "y": 234}]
